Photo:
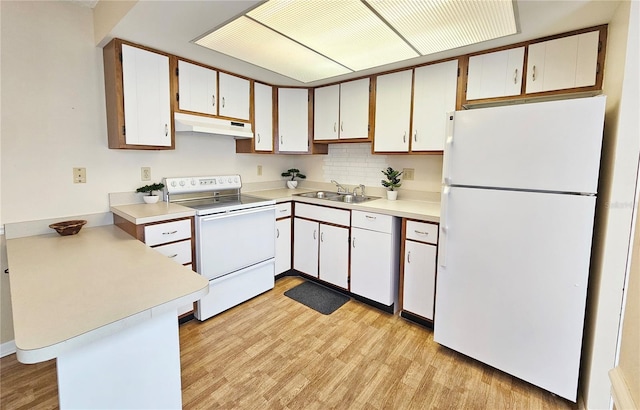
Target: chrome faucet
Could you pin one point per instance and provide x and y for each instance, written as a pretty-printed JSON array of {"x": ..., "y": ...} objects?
[
  {"x": 361, "y": 187},
  {"x": 341, "y": 189}
]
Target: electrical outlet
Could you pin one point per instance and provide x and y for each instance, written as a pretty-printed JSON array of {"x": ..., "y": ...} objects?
[
  {"x": 259, "y": 170},
  {"x": 79, "y": 175},
  {"x": 145, "y": 174},
  {"x": 407, "y": 174}
]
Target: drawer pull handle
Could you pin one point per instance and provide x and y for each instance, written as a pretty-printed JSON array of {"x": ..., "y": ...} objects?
[
  {"x": 421, "y": 232},
  {"x": 213, "y": 100},
  {"x": 409, "y": 257},
  {"x": 169, "y": 233},
  {"x": 515, "y": 76},
  {"x": 314, "y": 234},
  {"x": 321, "y": 236},
  {"x": 354, "y": 242},
  {"x": 173, "y": 256},
  {"x": 533, "y": 74},
  {"x": 277, "y": 233},
  {"x": 370, "y": 217}
]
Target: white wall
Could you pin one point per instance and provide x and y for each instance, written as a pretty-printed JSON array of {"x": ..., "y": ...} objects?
[{"x": 612, "y": 239}]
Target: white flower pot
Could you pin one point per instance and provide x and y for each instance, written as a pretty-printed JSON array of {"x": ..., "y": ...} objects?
[
  {"x": 292, "y": 184},
  {"x": 392, "y": 195},
  {"x": 151, "y": 199}
]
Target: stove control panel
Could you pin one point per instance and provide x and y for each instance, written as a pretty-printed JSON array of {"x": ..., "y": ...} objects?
[{"x": 183, "y": 185}]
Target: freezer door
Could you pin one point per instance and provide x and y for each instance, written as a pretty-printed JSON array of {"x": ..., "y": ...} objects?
[
  {"x": 512, "y": 282},
  {"x": 548, "y": 146}
]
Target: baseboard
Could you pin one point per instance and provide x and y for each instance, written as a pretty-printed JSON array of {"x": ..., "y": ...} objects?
[
  {"x": 620, "y": 392},
  {"x": 7, "y": 348}
]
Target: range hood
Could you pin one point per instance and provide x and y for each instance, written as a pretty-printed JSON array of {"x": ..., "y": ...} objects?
[{"x": 188, "y": 123}]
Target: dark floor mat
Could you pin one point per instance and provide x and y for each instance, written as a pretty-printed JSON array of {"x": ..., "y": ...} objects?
[{"x": 319, "y": 298}]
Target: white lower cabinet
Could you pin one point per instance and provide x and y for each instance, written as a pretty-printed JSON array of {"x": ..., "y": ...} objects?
[
  {"x": 305, "y": 250},
  {"x": 419, "y": 268},
  {"x": 375, "y": 257},
  {"x": 334, "y": 255},
  {"x": 419, "y": 278},
  {"x": 321, "y": 243},
  {"x": 283, "y": 238}
]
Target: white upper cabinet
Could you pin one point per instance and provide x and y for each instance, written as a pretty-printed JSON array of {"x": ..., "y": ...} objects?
[
  {"x": 393, "y": 110},
  {"x": 497, "y": 74},
  {"x": 341, "y": 111},
  {"x": 263, "y": 116},
  {"x": 566, "y": 62},
  {"x": 293, "y": 120},
  {"x": 197, "y": 88},
  {"x": 326, "y": 112},
  {"x": 147, "y": 103},
  {"x": 354, "y": 109},
  {"x": 434, "y": 95},
  {"x": 234, "y": 97}
]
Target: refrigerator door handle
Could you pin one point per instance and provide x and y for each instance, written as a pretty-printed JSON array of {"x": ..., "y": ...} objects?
[
  {"x": 446, "y": 168},
  {"x": 444, "y": 228}
]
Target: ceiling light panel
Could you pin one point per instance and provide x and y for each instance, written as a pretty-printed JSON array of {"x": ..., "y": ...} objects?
[
  {"x": 432, "y": 26},
  {"x": 249, "y": 41},
  {"x": 346, "y": 31}
]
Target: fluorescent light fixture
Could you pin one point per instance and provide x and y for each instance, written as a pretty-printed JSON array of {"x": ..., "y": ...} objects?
[
  {"x": 310, "y": 40},
  {"x": 439, "y": 25}
]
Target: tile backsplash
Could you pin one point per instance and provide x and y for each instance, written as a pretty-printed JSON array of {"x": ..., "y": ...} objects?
[{"x": 353, "y": 164}]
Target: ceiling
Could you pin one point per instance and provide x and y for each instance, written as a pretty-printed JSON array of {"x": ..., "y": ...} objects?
[{"x": 171, "y": 26}]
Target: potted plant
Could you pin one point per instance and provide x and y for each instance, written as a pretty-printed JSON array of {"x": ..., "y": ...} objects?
[
  {"x": 150, "y": 199},
  {"x": 293, "y": 173},
  {"x": 392, "y": 182}
]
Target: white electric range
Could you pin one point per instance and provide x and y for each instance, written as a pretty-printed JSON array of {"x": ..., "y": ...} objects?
[{"x": 235, "y": 238}]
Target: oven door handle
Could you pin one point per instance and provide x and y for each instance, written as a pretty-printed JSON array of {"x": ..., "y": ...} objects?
[{"x": 237, "y": 213}]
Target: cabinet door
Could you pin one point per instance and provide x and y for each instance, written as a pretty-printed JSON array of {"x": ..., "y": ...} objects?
[
  {"x": 497, "y": 74},
  {"x": 147, "y": 111},
  {"x": 305, "y": 249},
  {"x": 393, "y": 108},
  {"x": 419, "y": 278},
  {"x": 371, "y": 273},
  {"x": 434, "y": 95},
  {"x": 354, "y": 109},
  {"x": 325, "y": 112},
  {"x": 566, "y": 62},
  {"x": 263, "y": 112},
  {"x": 293, "y": 119},
  {"x": 234, "y": 97},
  {"x": 197, "y": 87},
  {"x": 283, "y": 245},
  {"x": 334, "y": 255}
]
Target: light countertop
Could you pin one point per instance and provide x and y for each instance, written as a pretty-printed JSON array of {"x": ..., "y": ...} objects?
[
  {"x": 146, "y": 213},
  {"x": 69, "y": 290},
  {"x": 405, "y": 208}
]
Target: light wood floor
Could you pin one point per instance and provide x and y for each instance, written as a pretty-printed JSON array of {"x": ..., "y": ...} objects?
[{"x": 273, "y": 352}]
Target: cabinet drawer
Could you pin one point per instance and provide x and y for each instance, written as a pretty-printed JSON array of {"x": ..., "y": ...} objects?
[
  {"x": 167, "y": 232},
  {"x": 372, "y": 221},
  {"x": 324, "y": 214},
  {"x": 422, "y": 231},
  {"x": 283, "y": 210},
  {"x": 179, "y": 251}
]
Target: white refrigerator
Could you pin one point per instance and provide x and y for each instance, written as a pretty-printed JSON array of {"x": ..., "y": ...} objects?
[{"x": 516, "y": 224}]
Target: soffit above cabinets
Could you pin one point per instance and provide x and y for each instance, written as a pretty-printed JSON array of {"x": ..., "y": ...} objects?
[{"x": 310, "y": 40}]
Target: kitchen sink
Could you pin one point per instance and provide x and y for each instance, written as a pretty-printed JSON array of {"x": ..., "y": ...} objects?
[{"x": 338, "y": 197}]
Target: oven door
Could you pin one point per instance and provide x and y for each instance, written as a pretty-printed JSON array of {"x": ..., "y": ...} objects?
[{"x": 231, "y": 241}]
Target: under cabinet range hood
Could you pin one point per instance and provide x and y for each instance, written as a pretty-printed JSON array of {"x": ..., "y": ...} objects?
[{"x": 188, "y": 123}]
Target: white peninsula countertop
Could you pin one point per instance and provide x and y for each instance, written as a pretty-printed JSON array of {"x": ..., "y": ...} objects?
[{"x": 68, "y": 291}]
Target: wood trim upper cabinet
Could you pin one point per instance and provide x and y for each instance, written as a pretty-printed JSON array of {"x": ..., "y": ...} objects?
[
  {"x": 262, "y": 110},
  {"x": 574, "y": 56},
  {"x": 293, "y": 132},
  {"x": 133, "y": 125}
]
